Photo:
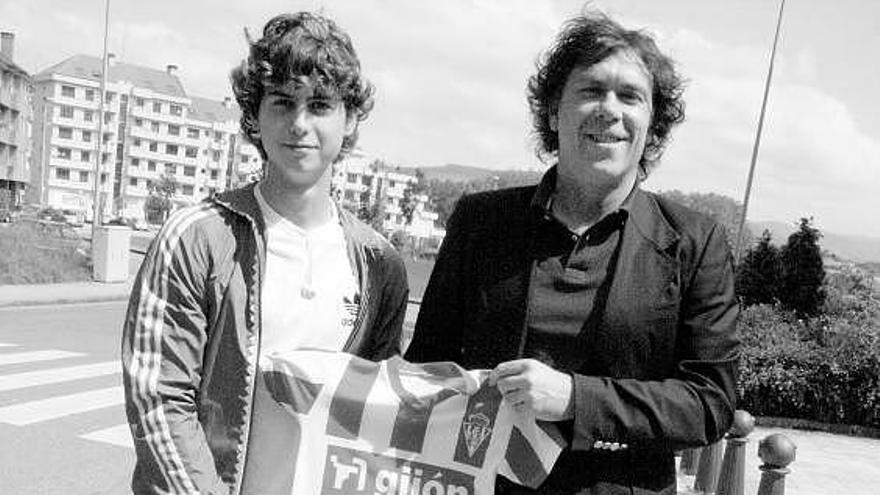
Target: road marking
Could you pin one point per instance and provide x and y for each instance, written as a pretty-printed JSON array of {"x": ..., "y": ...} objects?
[
  {"x": 58, "y": 375},
  {"x": 34, "y": 356},
  {"x": 4, "y": 344},
  {"x": 117, "y": 435},
  {"x": 43, "y": 410}
]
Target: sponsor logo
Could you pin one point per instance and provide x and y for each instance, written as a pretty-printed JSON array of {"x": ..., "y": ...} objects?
[
  {"x": 352, "y": 472},
  {"x": 476, "y": 428}
]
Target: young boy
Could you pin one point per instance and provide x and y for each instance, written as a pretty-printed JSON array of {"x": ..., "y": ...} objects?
[{"x": 272, "y": 266}]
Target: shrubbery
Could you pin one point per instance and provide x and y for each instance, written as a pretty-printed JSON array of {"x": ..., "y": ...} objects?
[
  {"x": 31, "y": 253},
  {"x": 825, "y": 368}
]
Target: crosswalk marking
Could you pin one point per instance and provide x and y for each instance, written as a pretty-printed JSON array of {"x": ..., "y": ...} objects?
[
  {"x": 56, "y": 407},
  {"x": 118, "y": 435},
  {"x": 34, "y": 356},
  {"x": 4, "y": 344},
  {"x": 58, "y": 375}
]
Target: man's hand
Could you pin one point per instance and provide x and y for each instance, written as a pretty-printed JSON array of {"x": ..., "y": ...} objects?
[{"x": 530, "y": 385}]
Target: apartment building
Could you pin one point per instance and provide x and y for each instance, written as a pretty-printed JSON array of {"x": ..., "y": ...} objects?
[
  {"x": 150, "y": 127},
  {"x": 16, "y": 89},
  {"x": 360, "y": 180}
]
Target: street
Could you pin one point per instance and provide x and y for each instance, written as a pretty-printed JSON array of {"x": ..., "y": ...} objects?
[{"x": 61, "y": 403}]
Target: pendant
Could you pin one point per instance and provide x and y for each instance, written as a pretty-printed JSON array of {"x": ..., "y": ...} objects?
[{"x": 307, "y": 292}]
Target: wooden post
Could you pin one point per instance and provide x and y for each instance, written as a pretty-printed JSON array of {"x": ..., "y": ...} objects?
[
  {"x": 689, "y": 461},
  {"x": 733, "y": 467},
  {"x": 777, "y": 452},
  {"x": 710, "y": 465}
]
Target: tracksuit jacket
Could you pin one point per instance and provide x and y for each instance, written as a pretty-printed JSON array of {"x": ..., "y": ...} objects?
[{"x": 191, "y": 338}]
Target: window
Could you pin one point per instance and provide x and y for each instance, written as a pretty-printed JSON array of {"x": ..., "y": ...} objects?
[
  {"x": 106, "y": 138},
  {"x": 64, "y": 153},
  {"x": 103, "y": 178},
  {"x": 245, "y": 158},
  {"x": 175, "y": 110},
  {"x": 170, "y": 169},
  {"x": 151, "y": 166},
  {"x": 83, "y": 176},
  {"x": 85, "y": 156},
  {"x": 170, "y": 149},
  {"x": 90, "y": 95},
  {"x": 192, "y": 133},
  {"x": 62, "y": 173},
  {"x": 174, "y": 130},
  {"x": 105, "y": 157},
  {"x": 187, "y": 190},
  {"x": 189, "y": 171},
  {"x": 154, "y": 146},
  {"x": 216, "y": 156},
  {"x": 139, "y": 102},
  {"x": 108, "y": 96},
  {"x": 349, "y": 195},
  {"x": 87, "y": 136},
  {"x": 135, "y": 162},
  {"x": 191, "y": 152},
  {"x": 68, "y": 91},
  {"x": 133, "y": 182},
  {"x": 218, "y": 136},
  {"x": 213, "y": 175},
  {"x": 65, "y": 133},
  {"x": 136, "y": 142},
  {"x": 66, "y": 112},
  {"x": 391, "y": 184},
  {"x": 154, "y": 126},
  {"x": 352, "y": 179},
  {"x": 138, "y": 122},
  {"x": 108, "y": 116},
  {"x": 157, "y": 107},
  {"x": 88, "y": 115}
]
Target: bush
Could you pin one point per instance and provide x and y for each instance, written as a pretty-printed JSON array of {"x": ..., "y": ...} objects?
[
  {"x": 826, "y": 369},
  {"x": 31, "y": 253}
]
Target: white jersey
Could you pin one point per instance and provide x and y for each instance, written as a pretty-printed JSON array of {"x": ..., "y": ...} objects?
[{"x": 400, "y": 428}]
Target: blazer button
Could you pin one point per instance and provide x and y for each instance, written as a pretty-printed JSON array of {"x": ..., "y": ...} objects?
[{"x": 599, "y": 444}]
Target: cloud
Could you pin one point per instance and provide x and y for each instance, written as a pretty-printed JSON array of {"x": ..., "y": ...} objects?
[{"x": 813, "y": 160}]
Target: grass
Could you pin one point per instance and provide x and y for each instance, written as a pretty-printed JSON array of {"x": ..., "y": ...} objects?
[{"x": 33, "y": 253}]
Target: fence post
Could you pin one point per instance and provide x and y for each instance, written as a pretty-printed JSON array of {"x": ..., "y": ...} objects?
[
  {"x": 777, "y": 451},
  {"x": 710, "y": 465},
  {"x": 732, "y": 479}
]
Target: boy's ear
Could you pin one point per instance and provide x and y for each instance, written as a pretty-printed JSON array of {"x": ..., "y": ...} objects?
[{"x": 351, "y": 122}]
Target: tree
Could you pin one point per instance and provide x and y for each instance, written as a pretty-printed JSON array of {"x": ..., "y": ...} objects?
[
  {"x": 158, "y": 204},
  {"x": 411, "y": 197},
  {"x": 759, "y": 274},
  {"x": 726, "y": 211},
  {"x": 803, "y": 273}
]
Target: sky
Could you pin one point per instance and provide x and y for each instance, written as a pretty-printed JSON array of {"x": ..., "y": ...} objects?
[{"x": 450, "y": 79}]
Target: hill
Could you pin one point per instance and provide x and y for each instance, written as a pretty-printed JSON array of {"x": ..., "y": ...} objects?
[
  {"x": 861, "y": 249},
  {"x": 466, "y": 173}
]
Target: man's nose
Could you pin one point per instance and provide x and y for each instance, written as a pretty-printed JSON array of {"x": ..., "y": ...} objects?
[
  {"x": 609, "y": 107},
  {"x": 299, "y": 121}
]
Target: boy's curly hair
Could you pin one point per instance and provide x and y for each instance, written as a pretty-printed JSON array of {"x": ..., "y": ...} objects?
[{"x": 297, "y": 46}]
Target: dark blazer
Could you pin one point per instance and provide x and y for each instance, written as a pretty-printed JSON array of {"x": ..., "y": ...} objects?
[{"x": 658, "y": 371}]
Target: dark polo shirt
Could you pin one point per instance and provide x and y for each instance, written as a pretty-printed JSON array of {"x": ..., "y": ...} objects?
[{"x": 570, "y": 280}]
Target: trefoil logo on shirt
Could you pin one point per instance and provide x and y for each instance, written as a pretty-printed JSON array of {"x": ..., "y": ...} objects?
[{"x": 477, "y": 428}]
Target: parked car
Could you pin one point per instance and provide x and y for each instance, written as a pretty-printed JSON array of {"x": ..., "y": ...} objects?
[{"x": 73, "y": 218}]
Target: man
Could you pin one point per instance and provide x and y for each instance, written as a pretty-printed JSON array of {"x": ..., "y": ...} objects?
[
  {"x": 602, "y": 307},
  {"x": 270, "y": 267}
]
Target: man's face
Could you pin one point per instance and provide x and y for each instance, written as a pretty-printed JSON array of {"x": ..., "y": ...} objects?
[
  {"x": 602, "y": 120},
  {"x": 302, "y": 133}
]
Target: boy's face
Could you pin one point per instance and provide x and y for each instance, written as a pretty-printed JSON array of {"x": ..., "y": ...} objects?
[{"x": 301, "y": 132}]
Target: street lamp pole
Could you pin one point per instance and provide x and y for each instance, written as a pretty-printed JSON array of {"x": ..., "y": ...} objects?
[
  {"x": 96, "y": 200},
  {"x": 742, "y": 220}
]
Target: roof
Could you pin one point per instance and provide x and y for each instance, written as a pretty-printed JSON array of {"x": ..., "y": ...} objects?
[
  {"x": 8, "y": 64},
  {"x": 212, "y": 110},
  {"x": 88, "y": 67}
]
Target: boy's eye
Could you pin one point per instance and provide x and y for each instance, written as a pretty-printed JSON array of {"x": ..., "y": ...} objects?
[{"x": 320, "y": 106}]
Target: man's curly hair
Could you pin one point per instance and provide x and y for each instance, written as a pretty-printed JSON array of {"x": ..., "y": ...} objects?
[
  {"x": 584, "y": 41},
  {"x": 301, "y": 46}
]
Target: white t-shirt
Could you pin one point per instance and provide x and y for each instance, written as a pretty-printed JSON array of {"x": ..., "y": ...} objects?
[
  {"x": 310, "y": 299},
  {"x": 395, "y": 427}
]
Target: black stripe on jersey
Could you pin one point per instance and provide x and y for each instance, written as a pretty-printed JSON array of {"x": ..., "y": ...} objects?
[
  {"x": 477, "y": 425},
  {"x": 297, "y": 393},
  {"x": 414, "y": 412},
  {"x": 350, "y": 398},
  {"x": 523, "y": 460}
]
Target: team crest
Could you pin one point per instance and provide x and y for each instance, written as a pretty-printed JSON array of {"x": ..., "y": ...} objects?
[{"x": 476, "y": 428}]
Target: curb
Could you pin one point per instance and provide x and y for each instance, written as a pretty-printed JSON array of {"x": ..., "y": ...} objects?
[{"x": 64, "y": 300}]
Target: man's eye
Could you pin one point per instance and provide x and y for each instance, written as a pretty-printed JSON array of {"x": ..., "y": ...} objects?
[
  {"x": 284, "y": 103},
  {"x": 320, "y": 106}
]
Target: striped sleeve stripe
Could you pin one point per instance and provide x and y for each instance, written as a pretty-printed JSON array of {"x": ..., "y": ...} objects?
[{"x": 146, "y": 355}]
